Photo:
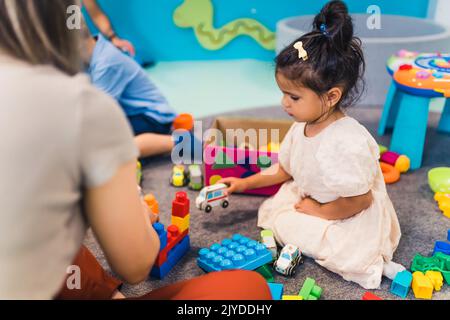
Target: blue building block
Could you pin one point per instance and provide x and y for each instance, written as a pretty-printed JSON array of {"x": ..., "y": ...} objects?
[
  {"x": 237, "y": 252},
  {"x": 276, "y": 289},
  {"x": 173, "y": 257},
  {"x": 401, "y": 284},
  {"x": 441, "y": 246},
  {"x": 448, "y": 235},
  {"x": 162, "y": 234}
]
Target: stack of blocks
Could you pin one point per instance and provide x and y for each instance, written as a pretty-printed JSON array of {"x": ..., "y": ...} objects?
[{"x": 174, "y": 241}]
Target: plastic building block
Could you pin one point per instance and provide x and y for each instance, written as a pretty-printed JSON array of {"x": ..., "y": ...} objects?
[
  {"x": 174, "y": 257},
  {"x": 383, "y": 149},
  {"x": 401, "y": 284},
  {"x": 443, "y": 200},
  {"x": 436, "y": 279},
  {"x": 268, "y": 240},
  {"x": 400, "y": 162},
  {"x": 448, "y": 235},
  {"x": 370, "y": 296},
  {"x": 286, "y": 297},
  {"x": 180, "y": 205},
  {"x": 222, "y": 161},
  {"x": 159, "y": 228},
  {"x": 422, "y": 286},
  {"x": 310, "y": 291},
  {"x": 173, "y": 238},
  {"x": 238, "y": 252},
  {"x": 152, "y": 204},
  {"x": 181, "y": 223},
  {"x": 264, "y": 162},
  {"x": 138, "y": 172},
  {"x": 277, "y": 290},
  {"x": 266, "y": 272},
  {"x": 441, "y": 246},
  {"x": 184, "y": 121},
  {"x": 439, "y": 262}
]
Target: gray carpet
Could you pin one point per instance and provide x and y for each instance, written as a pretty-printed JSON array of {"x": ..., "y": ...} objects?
[{"x": 421, "y": 221}]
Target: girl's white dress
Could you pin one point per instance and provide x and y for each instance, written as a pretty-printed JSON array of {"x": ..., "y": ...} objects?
[{"x": 341, "y": 161}]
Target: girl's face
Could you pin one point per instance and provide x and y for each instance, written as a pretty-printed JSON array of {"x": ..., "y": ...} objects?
[{"x": 301, "y": 103}]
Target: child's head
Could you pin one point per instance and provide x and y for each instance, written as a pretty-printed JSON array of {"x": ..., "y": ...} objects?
[{"x": 329, "y": 78}]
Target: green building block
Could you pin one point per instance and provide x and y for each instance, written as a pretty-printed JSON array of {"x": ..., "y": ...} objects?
[
  {"x": 222, "y": 161},
  {"x": 266, "y": 272},
  {"x": 310, "y": 291},
  {"x": 439, "y": 262},
  {"x": 264, "y": 162},
  {"x": 383, "y": 149}
]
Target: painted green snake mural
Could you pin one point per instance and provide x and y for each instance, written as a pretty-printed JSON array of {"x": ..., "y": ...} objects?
[{"x": 198, "y": 14}]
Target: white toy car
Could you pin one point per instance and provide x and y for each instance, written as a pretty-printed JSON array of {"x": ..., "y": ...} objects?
[
  {"x": 212, "y": 196},
  {"x": 289, "y": 259},
  {"x": 269, "y": 241}
]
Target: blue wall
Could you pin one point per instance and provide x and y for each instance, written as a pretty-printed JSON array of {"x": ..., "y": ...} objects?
[{"x": 149, "y": 24}]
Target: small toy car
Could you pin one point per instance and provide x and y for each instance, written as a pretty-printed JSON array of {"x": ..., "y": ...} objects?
[
  {"x": 179, "y": 177},
  {"x": 290, "y": 257},
  {"x": 212, "y": 196},
  {"x": 195, "y": 177},
  {"x": 268, "y": 240}
]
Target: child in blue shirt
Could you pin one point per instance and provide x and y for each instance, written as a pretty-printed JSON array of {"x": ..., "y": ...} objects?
[{"x": 148, "y": 111}]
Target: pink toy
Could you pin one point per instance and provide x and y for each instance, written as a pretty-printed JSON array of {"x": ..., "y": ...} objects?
[
  {"x": 237, "y": 165},
  {"x": 400, "y": 162}
]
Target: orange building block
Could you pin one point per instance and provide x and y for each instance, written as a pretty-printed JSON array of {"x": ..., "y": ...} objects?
[
  {"x": 422, "y": 286},
  {"x": 184, "y": 121},
  {"x": 152, "y": 203}
]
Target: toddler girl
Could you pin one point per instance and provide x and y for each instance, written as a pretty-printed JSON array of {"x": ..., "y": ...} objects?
[{"x": 333, "y": 204}]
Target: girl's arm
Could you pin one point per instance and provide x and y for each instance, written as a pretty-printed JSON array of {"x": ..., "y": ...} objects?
[
  {"x": 122, "y": 225},
  {"x": 340, "y": 209},
  {"x": 269, "y": 177}
]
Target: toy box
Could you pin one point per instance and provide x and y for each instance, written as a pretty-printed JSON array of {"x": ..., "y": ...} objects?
[{"x": 241, "y": 147}]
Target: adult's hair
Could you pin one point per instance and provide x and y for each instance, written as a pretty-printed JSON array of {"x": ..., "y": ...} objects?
[{"x": 36, "y": 31}]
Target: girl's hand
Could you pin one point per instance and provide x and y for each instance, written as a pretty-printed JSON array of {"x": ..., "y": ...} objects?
[
  {"x": 154, "y": 218},
  {"x": 309, "y": 206},
  {"x": 235, "y": 185}
]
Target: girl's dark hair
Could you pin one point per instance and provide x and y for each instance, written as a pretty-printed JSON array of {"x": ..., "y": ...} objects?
[{"x": 335, "y": 57}]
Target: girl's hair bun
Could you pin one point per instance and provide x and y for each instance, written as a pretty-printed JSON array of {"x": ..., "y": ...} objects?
[{"x": 335, "y": 23}]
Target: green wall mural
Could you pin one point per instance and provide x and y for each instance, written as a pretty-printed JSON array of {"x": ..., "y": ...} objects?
[{"x": 199, "y": 15}]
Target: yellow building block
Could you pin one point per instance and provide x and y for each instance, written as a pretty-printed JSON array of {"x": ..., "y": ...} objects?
[
  {"x": 422, "y": 286},
  {"x": 292, "y": 298},
  {"x": 436, "y": 279},
  {"x": 181, "y": 223}
]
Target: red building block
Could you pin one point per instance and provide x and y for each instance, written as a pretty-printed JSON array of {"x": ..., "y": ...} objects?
[
  {"x": 180, "y": 205},
  {"x": 173, "y": 238},
  {"x": 370, "y": 296}
]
